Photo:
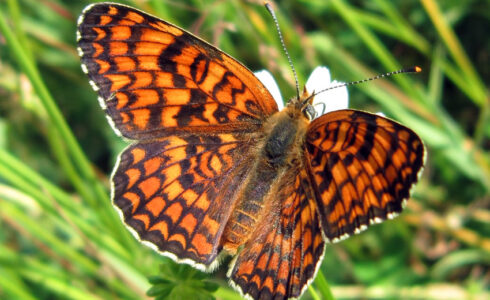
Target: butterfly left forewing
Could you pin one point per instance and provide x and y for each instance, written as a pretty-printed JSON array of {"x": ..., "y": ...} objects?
[
  {"x": 362, "y": 167},
  {"x": 155, "y": 79}
]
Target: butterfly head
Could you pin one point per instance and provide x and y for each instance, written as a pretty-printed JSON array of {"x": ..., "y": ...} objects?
[{"x": 305, "y": 104}]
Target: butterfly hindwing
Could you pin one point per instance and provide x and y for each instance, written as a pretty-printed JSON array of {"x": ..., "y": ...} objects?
[
  {"x": 284, "y": 253},
  {"x": 155, "y": 79},
  {"x": 176, "y": 193},
  {"x": 363, "y": 167}
]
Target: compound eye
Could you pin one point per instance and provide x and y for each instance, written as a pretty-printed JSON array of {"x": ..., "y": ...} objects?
[{"x": 309, "y": 112}]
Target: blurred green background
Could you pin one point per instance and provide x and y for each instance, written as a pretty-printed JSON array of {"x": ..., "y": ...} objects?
[{"x": 61, "y": 239}]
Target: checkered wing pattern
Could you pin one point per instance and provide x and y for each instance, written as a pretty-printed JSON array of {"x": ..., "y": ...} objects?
[
  {"x": 285, "y": 252},
  {"x": 362, "y": 167},
  {"x": 155, "y": 79},
  {"x": 175, "y": 193}
]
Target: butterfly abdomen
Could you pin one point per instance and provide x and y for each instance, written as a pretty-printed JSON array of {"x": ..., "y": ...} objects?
[{"x": 279, "y": 149}]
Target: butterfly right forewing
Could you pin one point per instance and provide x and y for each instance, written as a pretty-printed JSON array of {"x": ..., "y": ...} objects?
[{"x": 362, "y": 167}]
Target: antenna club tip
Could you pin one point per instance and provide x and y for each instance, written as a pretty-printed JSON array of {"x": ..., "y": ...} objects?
[{"x": 414, "y": 69}]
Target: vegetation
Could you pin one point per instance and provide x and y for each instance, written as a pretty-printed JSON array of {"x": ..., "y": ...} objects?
[{"x": 60, "y": 238}]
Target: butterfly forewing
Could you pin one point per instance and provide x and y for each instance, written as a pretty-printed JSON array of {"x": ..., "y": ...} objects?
[
  {"x": 363, "y": 167},
  {"x": 155, "y": 79}
]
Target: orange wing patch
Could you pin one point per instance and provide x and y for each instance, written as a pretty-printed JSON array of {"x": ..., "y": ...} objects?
[
  {"x": 195, "y": 86},
  {"x": 286, "y": 250},
  {"x": 173, "y": 195},
  {"x": 362, "y": 167}
]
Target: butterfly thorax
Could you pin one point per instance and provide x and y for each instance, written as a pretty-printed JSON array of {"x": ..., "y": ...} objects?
[
  {"x": 285, "y": 131},
  {"x": 279, "y": 149}
]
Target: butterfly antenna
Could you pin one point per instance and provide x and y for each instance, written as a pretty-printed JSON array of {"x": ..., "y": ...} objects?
[
  {"x": 414, "y": 69},
  {"x": 271, "y": 12}
]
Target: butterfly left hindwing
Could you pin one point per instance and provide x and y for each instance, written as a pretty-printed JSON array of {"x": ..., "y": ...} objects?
[{"x": 176, "y": 193}]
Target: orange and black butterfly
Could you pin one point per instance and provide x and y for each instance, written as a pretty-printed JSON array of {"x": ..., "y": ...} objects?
[{"x": 215, "y": 168}]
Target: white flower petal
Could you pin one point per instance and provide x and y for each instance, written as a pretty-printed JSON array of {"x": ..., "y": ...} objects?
[
  {"x": 334, "y": 99},
  {"x": 266, "y": 78},
  {"x": 318, "y": 80}
]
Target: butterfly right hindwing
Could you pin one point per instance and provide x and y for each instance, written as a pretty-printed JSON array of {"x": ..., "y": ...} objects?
[{"x": 285, "y": 252}]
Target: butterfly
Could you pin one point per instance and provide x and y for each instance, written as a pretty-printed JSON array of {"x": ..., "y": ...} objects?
[{"x": 215, "y": 169}]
